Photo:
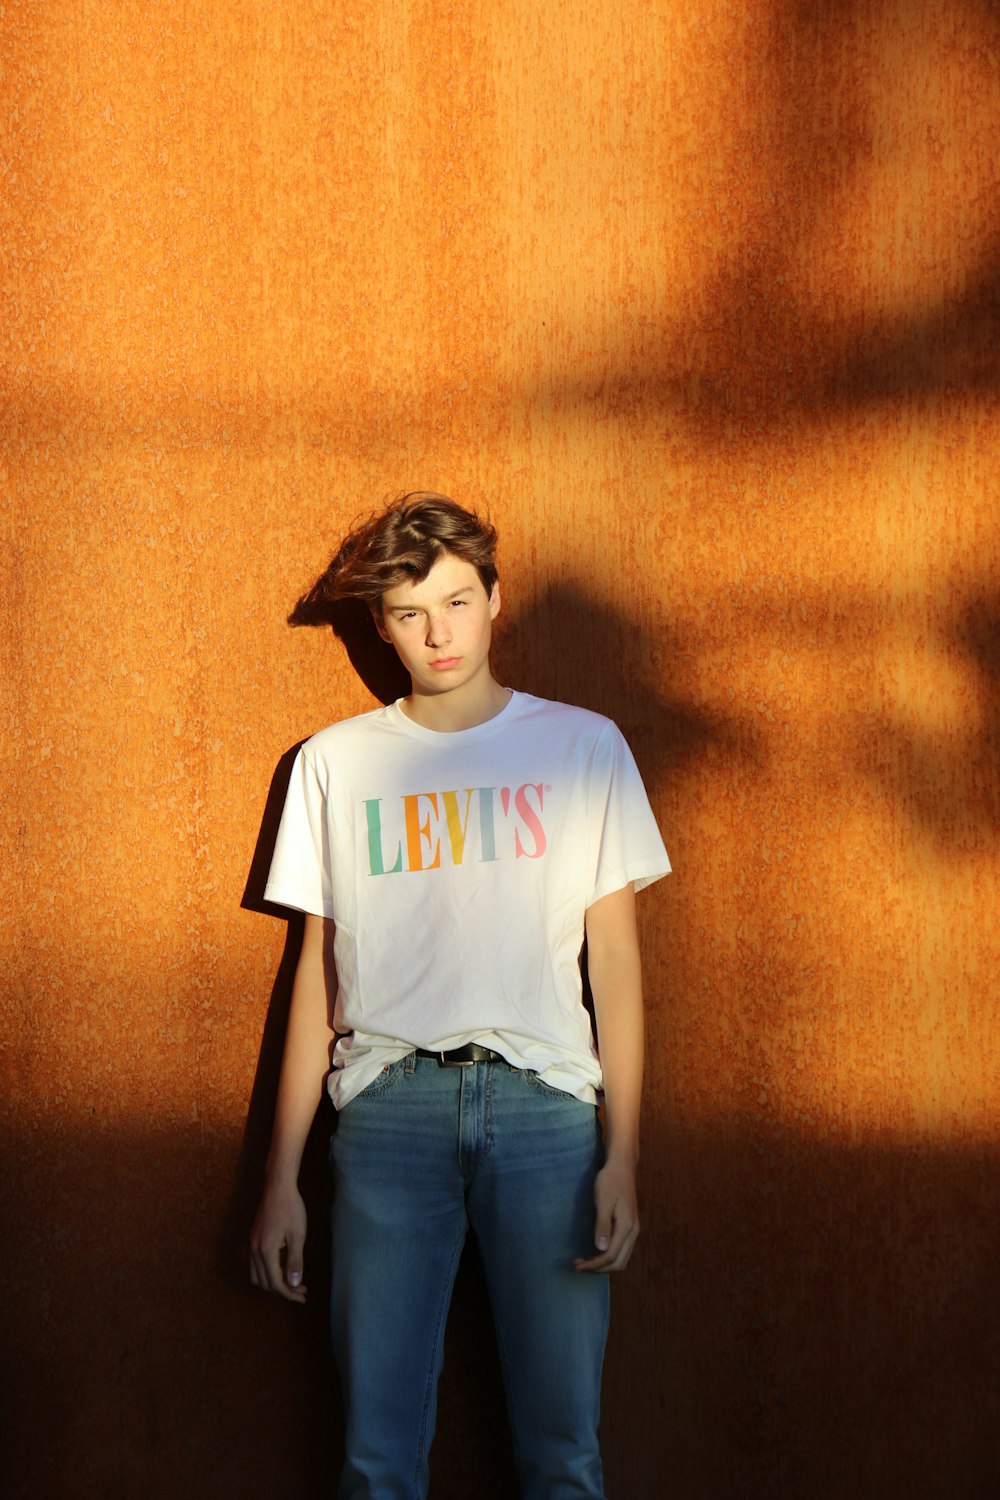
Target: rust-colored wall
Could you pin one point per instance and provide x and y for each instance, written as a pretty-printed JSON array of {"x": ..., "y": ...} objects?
[{"x": 701, "y": 300}]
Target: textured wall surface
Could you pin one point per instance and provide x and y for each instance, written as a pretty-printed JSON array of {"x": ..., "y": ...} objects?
[{"x": 702, "y": 300}]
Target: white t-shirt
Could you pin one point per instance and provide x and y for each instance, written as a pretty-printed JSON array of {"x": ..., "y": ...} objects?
[{"x": 458, "y": 868}]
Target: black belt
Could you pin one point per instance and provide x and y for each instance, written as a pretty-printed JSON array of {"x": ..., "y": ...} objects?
[{"x": 463, "y": 1057}]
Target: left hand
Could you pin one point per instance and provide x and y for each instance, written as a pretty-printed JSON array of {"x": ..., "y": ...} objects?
[{"x": 617, "y": 1222}]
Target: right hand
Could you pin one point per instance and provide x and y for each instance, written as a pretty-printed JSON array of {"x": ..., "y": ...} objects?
[{"x": 277, "y": 1241}]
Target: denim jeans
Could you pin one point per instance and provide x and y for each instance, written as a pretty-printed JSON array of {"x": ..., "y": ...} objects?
[{"x": 418, "y": 1156}]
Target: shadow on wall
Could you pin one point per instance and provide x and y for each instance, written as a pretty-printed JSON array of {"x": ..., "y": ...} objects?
[
  {"x": 571, "y": 647},
  {"x": 841, "y": 283},
  {"x": 808, "y": 1319},
  {"x": 824, "y": 1323},
  {"x": 939, "y": 771},
  {"x": 923, "y": 733},
  {"x": 941, "y": 775}
]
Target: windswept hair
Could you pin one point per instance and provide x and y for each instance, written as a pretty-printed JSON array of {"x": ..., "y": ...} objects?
[{"x": 399, "y": 545}]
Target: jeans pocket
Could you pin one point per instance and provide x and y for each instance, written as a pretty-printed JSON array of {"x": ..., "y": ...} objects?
[
  {"x": 546, "y": 1089},
  {"x": 381, "y": 1083}
]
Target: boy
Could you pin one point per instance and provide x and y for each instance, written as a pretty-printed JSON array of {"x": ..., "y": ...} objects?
[{"x": 450, "y": 852}]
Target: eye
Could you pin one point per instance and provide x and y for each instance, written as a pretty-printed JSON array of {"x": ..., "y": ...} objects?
[{"x": 458, "y": 603}]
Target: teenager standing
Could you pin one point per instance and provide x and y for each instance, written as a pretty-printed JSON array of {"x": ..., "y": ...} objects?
[{"x": 451, "y": 851}]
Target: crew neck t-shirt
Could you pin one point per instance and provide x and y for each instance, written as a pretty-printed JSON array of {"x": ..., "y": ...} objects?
[{"x": 457, "y": 868}]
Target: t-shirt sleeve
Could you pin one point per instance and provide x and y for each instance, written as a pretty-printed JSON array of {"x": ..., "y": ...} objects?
[
  {"x": 630, "y": 849},
  {"x": 300, "y": 875}
]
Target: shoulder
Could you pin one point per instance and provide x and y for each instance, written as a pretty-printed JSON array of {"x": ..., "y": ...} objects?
[
  {"x": 567, "y": 720},
  {"x": 347, "y": 736}
]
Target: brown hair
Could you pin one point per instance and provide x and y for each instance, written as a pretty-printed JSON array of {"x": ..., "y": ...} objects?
[{"x": 400, "y": 545}]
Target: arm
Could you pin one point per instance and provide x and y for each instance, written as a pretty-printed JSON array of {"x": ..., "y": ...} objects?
[
  {"x": 616, "y": 983},
  {"x": 280, "y": 1225}
]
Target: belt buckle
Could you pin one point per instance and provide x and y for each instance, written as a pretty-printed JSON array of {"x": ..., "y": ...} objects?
[{"x": 455, "y": 1062}]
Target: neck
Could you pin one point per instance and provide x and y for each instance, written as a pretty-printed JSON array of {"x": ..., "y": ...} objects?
[{"x": 447, "y": 713}]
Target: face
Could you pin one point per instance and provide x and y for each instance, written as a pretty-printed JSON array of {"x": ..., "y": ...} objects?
[{"x": 441, "y": 627}]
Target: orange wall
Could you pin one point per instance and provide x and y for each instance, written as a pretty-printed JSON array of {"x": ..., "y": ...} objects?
[{"x": 701, "y": 300}]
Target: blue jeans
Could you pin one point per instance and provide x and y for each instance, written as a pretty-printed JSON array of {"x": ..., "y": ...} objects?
[{"x": 417, "y": 1157}]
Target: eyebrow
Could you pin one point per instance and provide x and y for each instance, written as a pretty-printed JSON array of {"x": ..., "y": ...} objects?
[{"x": 395, "y": 609}]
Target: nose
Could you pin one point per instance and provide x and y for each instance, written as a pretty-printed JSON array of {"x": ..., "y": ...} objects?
[{"x": 437, "y": 630}]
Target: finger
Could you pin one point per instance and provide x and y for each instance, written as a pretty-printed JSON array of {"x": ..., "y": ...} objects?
[
  {"x": 267, "y": 1273},
  {"x": 616, "y": 1257},
  {"x": 291, "y": 1294},
  {"x": 603, "y": 1264},
  {"x": 258, "y": 1268},
  {"x": 606, "y": 1211},
  {"x": 259, "y": 1273},
  {"x": 286, "y": 1279},
  {"x": 293, "y": 1263},
  {"x": 604, "y": 1229},
  {"x": 612, "y": 1218},
  {"x": 257, "y": 1277}
]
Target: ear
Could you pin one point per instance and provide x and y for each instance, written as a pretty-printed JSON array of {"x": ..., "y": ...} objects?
[
  {"x": 380, "y": 626},
  {"x": 495, "y": 601}
]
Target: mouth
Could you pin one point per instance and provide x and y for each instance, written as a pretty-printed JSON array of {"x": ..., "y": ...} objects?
[{"x": 445, "y": 663}]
